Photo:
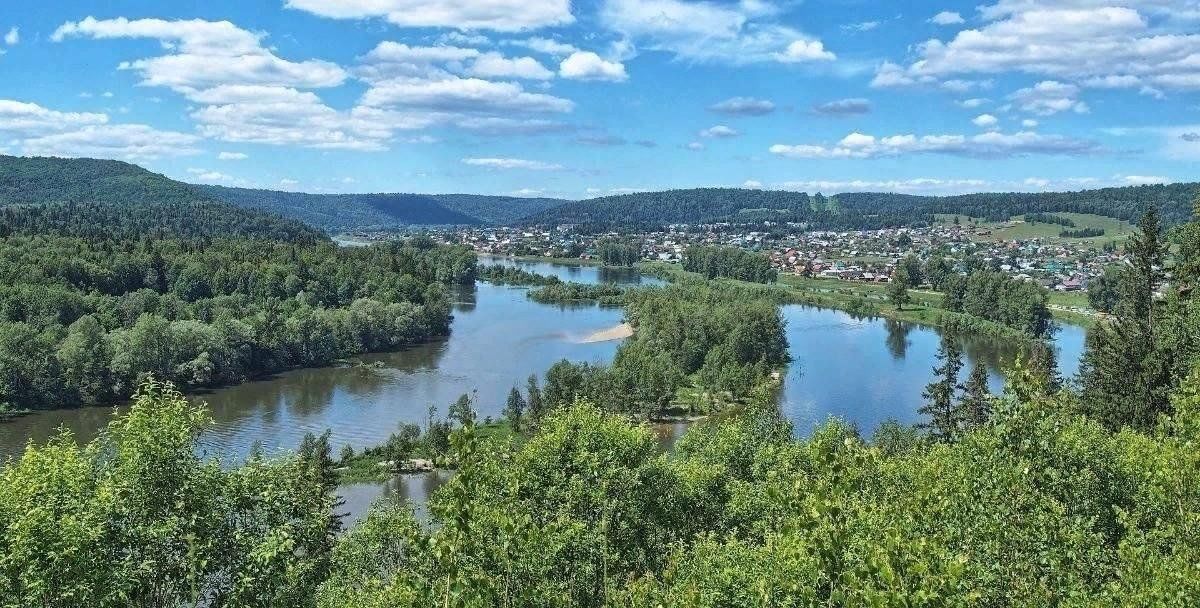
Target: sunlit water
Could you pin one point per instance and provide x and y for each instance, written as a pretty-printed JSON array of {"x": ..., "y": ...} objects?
[{"x": 861, "y": 370}]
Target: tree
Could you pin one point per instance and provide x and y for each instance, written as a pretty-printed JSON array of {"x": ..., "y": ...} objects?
[
  {"x": 85, "y": 357},
  {"x": 1124, "y": 375},
  {"x": 514, "y": 408},
  {"x": 944, "y": 418},
  {"x": 462, "y": 410},
  {"x": 536, "y": 406},
  {"x": 1104, "y": 291},
  {"x": 898, "y": 287},
  {"x": 976, "y": 403}
]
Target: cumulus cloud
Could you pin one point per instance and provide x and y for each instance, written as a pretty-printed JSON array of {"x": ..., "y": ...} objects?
[
  {"x": 13, "y": 37},
  {"x": 232, "y": 156},
  {"x": 746, "y": 32},
  {"x": 203, "y": 54},
  {"x": 601, "y": 139},
  {"x": 498, "y": 15},
  {"x": 947, "y": 18},
  {"x": 512, "y": 163},
  {"x": 495, "y": 65},
  {"x": 546, "y": 46},
  {"x": 985, "y": 121},
  {"x": 454, "y": 94},
  {"x": 1098, "y": 43},
  {"x": 743, "y": 106},
  {"x": 1049, "y": 97},
  {"x": 131, "y": 142},
  {"x": 586, "y": 65},
  {"x": 23, "y": 119},
  {"x": 991, "y": 144},
  {"x": 719, "y": 132},
  {"x": 844, "y": 107}
]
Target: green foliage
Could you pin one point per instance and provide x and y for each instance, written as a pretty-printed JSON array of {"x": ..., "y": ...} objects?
[
  {"x": 136, "y": 518},
  {"x": 616, "y": 252},
  {"x": 84, "y": 322},
  {"x": 1104, "y": 291},
  {"x": 729, "y": 263},
  {"x": 997, "y": 297}
]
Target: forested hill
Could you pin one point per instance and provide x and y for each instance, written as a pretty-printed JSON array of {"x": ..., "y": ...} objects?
[
  {"x": 859, "y": 210},
  {"x": 113, "y": 199},
  {"x": 1174, "y": 202},
  {"x": 341, "y": 212}
]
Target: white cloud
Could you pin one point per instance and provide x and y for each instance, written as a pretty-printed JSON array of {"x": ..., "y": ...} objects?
[
  {"x": 985, "y": 121},
  {"x": 800, "y": 51},
  {"x": 921, "y": 185},
  {"x": 974, "y": 102},
  {"x": 204, "y": 54},
  {"x": 991, "y": 144},
  {"x": 499, "y": 15},
  {"x": 1101, "y": 43},
  {"x": 719, "y": 132},
  {"x": 495, "y": 65},
  {"x": 695, "y": 146},
  {"x": 512, "y": 163},
  {"x": 864, "y": 26},
  {"x": 22, "y": 119},
  {"x": 130, "y": 142},
  {"x": 232, "y": 156},
  {"x": 206, "y": 175},
  {"x": 844, "y": 107},
  {"x": 743, "y": 106},
  {"x": 471, "y": 95},
  {"x": 1029, "y": 123},
  {"x": 752, "y": 184},
  {"x": 947, "y": 18},
  {"x": 13, "y": 37},
  {"x": 586, "y": 65},
  {"x": 741, "y": 33},
  {"x": 1049, "y": 97},
  {"x": 546, "y": 46}
]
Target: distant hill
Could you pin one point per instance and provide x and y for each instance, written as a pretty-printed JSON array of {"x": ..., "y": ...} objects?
[
  {"x": 858, "y": 210},
  {"x": 343, "y": 212},
  {"x": 89, "y": 197},
  {"x": 497, "y": 210}
]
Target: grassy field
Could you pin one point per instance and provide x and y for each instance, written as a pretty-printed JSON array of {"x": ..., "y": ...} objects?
[{"x": 1018, "y": 229}]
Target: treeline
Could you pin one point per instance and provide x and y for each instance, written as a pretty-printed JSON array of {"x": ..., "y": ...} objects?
[
  {"x": 855, "y": 210},
  {"x": 618, "y": 252},
  {"x": 1049, "y": 218},
  {"x": 1083, "y": 233},
  {"x": 997, "y": 297},
  {"x": 500, "y": 274},
  {"x": 730, "y": 263},
  {"x": 567, "y": 293},
  {"x": 103, "y": 199},
  {"x": 722, "y": 340},
  {"x": 84, "y": 322}
]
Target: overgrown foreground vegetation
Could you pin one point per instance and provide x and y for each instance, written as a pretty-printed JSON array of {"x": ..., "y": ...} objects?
[{"x": 1041, "y": 506}]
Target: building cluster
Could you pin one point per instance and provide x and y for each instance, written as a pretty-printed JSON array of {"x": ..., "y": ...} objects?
[{"x": 860, "y": 255}]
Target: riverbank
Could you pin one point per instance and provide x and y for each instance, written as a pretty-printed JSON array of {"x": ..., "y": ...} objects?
[
  {"x": 619, "y": 332},
  {"x": 870, "y": 299}
]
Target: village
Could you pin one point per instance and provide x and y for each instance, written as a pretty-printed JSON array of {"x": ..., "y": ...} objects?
[{"x": 867, "y": 255}]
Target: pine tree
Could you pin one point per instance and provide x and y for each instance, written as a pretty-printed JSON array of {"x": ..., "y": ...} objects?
[
  {"x": 976, "y": 405},
  {"x": 944, "y": 422},
  {"x": 1125, "y": 378},
  {"x": 514, "y": 409}
]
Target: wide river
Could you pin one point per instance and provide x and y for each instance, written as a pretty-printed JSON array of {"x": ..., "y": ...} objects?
[{"x": 861, "y": 370}]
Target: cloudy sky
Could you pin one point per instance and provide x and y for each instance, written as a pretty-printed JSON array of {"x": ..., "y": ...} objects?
[{"x": 577, "y": 99}]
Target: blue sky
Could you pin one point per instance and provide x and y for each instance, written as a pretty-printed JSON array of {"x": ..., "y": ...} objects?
[{"x": 585, "y": 98}]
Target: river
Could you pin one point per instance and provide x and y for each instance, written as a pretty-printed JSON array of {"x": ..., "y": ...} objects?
[{"x": 862, "y": 370}]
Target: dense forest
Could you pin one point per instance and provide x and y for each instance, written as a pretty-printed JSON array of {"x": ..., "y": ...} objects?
[
  {"x": 729, "y": 263},
  {"x": 856, "y": 210},
  {"x": 84, "y": 321},
  {"x": 349, "y": 212},
  {"x": 110, "y": 199}
]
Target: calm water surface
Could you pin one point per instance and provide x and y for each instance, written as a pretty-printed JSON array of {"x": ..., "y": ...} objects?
[{"x": 861, "y": 370}]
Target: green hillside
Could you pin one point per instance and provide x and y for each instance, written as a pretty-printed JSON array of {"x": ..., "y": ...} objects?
[
  {"x": 860, "y": 210},
  {"x": 104, "y": 198}
]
